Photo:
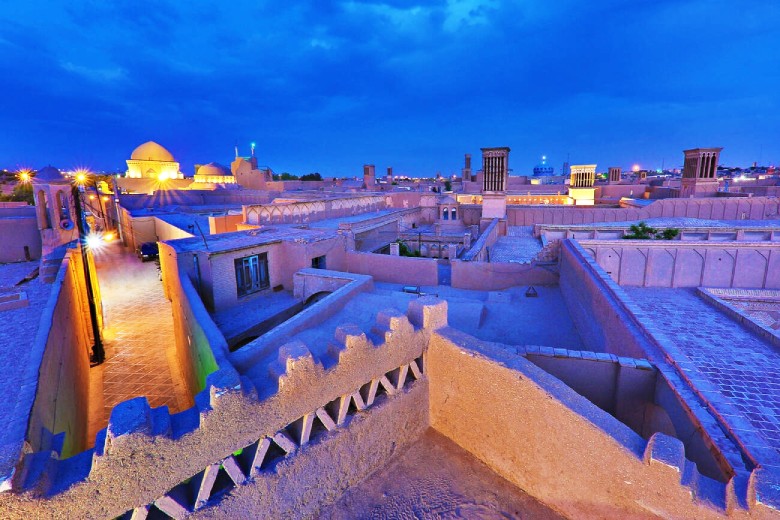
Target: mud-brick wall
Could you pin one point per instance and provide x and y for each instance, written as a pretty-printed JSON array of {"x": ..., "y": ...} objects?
[
  {"x": 196, "y": 335},
  {"x": 604, "y": 324},
  {"x": 394, "y": 269},
  {"x": 537, "y": 433},
  {"x": 59, "y": 413}
]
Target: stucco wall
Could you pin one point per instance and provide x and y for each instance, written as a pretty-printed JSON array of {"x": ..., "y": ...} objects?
[
  {"x": 688, "y": 264},
  {"x": 533, "y": 430},
  {"x": 600, "y": 317},
  {"x": 62, "y": 393},
  {"x": 754, "y": 208},
  {"x": 16, "y": 233},
  {"x": 394, "y": 269},
  {"x": 200, "y": 346},
  {"x": 484, "y": 276},
  {"x": 167, "y": 231}
]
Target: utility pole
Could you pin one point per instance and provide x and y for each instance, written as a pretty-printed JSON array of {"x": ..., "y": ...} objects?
[{"x": 98, "y": 353}]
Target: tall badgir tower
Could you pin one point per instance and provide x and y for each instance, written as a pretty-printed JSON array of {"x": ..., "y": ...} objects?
[
  {"x": 700, "y": 172},
  {"x": 495, "y": 179},
  {"x": 54, "y": 207}
]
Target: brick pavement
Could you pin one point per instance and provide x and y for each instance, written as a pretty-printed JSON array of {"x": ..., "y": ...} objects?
[
  {"x": 518, "y": 246},
  {"x": 739, "y": 363},
  {"x": 138, "y": 334}
]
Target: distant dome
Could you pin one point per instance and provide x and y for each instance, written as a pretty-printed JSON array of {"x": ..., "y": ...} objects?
[
  {"x": 49, "y": 174},
  {"x": 151, "y": 151},
  {"x": 543, "y": 169},
  {"x": 213, "y": 168}
]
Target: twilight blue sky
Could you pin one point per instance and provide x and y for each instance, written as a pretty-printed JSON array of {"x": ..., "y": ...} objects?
[{"x": 327, "y": 85}]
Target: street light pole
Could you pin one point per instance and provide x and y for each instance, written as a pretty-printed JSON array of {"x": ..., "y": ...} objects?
[{"x": 98, "y": 352}]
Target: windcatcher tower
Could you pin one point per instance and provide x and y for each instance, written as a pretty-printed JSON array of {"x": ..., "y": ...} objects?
[
  {"x": 495, "y": 179},
  {"x": 700, "y": 172}
]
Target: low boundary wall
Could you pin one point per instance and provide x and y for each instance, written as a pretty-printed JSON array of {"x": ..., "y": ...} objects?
[
  {"x": 59, "y": 416},
  {"x": 567, "y": 452},
  {"x": 201, "y": 347},
  {"x": 494, "y": 276},
  {"x": 660, "y": 263},
  {"x": 394, "y": 269}
]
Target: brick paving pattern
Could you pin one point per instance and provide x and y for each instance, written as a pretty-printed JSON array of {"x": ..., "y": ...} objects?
[
  {"x": 739, "y": 363},
  {"x": 138, "y": 329},
  {"x": 518, "y": 246}
]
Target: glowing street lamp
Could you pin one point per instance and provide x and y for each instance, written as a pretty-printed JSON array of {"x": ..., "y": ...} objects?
[
  {"x": 635, "y": 168},
  {"x": 24, "y": 176},
  {"x": 88, "y": 242}
]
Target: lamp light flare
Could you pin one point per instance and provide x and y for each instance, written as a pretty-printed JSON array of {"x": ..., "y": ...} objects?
[
  {"x": 24, "y": 176},
  {"x": 94, "y": 242},
  {"x": 635, "y": 168}
]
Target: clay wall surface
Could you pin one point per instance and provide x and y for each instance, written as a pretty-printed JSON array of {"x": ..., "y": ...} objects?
[
  {"x": 479, "y": 250},
  {"x": 200, "y": 346},
  {"x": 308, "y": 282},
  {"x": 224, "y": 223},
  {"x": 663, "y": 263},
  {"x": 299, "y": 486},
  {"x": 536, "y": 432},
  {"x": 311, "y": 211},
  {"x": 299, "y": 256},
  {"x": 599, "y": 315},
  {"x": 137, "y": 230},
  {"x": 62, "y": 391},
  {"x": 621, "y": 190},
  {"x": 149, "y": 457},
  {"x": 636, "y": 393},
  {"x": 754, "y": 208},
  {"x": 484, "y": 276},
  {"x": 394, "y": 269},
  {"x": 218, "y": 286},
  {"x": 19, "y": 229},
  {"x": 471, "y": 214},
  {"x": 167, "y": 231},
  {"x": 310, "y": 317}
]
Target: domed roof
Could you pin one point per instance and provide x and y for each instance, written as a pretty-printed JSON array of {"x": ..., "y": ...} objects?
[
  {"x": 151, "y": 151},
  {"x": 49, "y": 174},
  {"x": 543, "y": 169},
  {"x": 213, "y": 168},
  {"x": 446, "y": 200}
]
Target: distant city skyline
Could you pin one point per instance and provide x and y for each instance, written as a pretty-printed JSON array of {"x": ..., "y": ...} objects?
[{"x": 328, "y": 87}]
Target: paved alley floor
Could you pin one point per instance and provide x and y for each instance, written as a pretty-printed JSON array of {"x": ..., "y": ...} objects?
[{"x": 138, "y": 335}]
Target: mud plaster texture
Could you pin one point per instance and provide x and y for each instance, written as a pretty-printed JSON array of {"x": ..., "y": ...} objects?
[
  {"x": 435, "y": 478},
  {"x": 145, "y": 453},
  {"x": 536, "y": 432},
  {"x": 319, "y": 473}
]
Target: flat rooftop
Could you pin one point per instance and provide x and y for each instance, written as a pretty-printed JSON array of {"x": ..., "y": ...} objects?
[
  {"x": 17, "y": 339},
  {"x": 224, "y": 242},
  {"x": 333, "y": 223},
  {"x": 436, "y": 478},
  {"x": 500, "y": 316}
]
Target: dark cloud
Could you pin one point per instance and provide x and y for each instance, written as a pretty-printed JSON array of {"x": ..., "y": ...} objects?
[{"x": 329, "y": 85}]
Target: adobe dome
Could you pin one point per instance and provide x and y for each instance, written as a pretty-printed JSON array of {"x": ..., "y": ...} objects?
[
  {"x": 151, "y": 151},
  {"x": 49, "y": 174},
  {"x": 213, "y": 168}
]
